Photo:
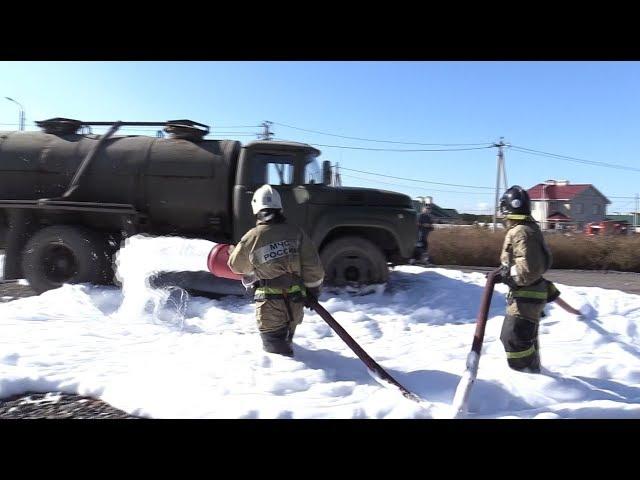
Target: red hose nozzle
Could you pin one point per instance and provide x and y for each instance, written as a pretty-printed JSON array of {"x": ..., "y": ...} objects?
[{"x": 217, "y": 262}]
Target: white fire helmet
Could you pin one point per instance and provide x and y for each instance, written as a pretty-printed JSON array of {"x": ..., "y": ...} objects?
[{"x": 265, "y": 197}]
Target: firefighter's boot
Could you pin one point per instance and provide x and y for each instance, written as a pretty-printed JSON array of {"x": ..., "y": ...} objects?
[{"x": 277, "y": 341}]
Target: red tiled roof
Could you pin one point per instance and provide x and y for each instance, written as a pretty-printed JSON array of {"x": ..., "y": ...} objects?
[{"x": 557, "y": 192}]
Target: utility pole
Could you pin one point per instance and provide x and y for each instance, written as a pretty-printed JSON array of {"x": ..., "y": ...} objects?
[
  {"x": 267, "y": 133},
  {"x": 635, "y": 214},
  {"x": 500, "y": 171},
  {"x": 504, "y": 175},
  {"x": 337, "y": 179}
]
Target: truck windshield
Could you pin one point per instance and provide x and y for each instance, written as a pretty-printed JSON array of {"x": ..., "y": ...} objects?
[{"x": 312, "y": 171}]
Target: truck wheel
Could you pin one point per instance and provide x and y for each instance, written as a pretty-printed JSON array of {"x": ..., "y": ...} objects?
[
  {"x": 353, "y": 260},
  {"x": 65, "y": 254}
]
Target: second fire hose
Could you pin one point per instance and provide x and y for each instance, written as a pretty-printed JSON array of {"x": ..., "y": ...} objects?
[{"x": 461, "y": 396}]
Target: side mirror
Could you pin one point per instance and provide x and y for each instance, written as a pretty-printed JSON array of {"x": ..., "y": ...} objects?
[{"x": 326, "y": 172}]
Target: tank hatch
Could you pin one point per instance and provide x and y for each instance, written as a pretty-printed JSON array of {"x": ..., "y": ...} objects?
[
  {"x": 60, "y": 126},
  {"x": 186, "y": 130}
]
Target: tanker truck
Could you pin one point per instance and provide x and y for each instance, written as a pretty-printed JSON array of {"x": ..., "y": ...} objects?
[{"x": 69, "y": 198}]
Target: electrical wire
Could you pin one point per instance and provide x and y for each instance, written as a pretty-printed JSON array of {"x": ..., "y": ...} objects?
[
  {"x": 414, "y": 186},
  {"x": 380, "y": 141},
  {"x": 401, "y": 149},
  {"x": 415, "y": 180},
  {"x": 531, "y": 151}
]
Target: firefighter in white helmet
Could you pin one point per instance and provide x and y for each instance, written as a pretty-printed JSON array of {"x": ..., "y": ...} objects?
[{"x": 286, "y": 267}]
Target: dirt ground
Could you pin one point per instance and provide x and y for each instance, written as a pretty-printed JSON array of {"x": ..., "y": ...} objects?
[
  {"x": 626, "y": 281},
  {"x": 57, "y": 405}
]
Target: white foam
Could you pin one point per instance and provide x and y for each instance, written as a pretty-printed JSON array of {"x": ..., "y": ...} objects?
[
  {"x": 140, "y": 258},
  {"x": 201, "y": 358}
]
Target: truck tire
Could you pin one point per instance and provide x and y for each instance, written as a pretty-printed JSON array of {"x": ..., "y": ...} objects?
[
  {"x": 353, "y": 260},
  {"x": 63, "y": 254}
]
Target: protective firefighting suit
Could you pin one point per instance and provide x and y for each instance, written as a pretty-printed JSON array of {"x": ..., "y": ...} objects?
[
  {"x": 285, "y": 264},
  {"x": 525, "y": 258}
]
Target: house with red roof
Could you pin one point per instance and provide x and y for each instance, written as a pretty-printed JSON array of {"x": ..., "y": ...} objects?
[{"x": 559, "y": 205}]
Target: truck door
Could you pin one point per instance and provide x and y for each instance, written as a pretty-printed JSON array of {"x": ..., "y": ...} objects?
[{"x": 260, "y": 168}]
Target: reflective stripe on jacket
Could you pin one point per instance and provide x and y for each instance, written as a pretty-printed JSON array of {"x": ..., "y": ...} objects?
[{"x": 268, "y": 293}]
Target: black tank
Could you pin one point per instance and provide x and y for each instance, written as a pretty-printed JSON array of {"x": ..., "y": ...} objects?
[{"x": 181, "y": 184}]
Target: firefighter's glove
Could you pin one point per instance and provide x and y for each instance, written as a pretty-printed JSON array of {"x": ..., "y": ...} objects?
[
  {"x": 504, "y": 276},
  {"x": 314, "y": 292},
  {"x": 501, "y": 274}
]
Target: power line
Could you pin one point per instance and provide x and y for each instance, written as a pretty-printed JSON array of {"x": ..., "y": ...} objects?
[
  {"x": 456, "y": 191},
  {"x": 487, "y": 145},
  {"x": 379, "y": 141},
  {"x": 617, "y": 205},
  {"x": 624, "y": 205},
  {"x": 416, "y": 187},
  {"x": 236, "y": 126},
  {"x": 415, "y": 180},
  {"x": 531, "y": 151},
  {"x": 401, "y": 149}
]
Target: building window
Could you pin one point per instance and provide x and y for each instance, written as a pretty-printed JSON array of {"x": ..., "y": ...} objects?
[
  {"x": 578, "y": 207},
  {"x": 596, "y": 209}
]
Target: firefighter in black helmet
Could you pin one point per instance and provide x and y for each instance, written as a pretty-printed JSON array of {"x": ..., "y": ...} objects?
[{"x": 524, "y": 259}]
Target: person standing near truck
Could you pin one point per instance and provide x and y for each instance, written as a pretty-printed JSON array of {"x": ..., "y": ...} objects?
[
  {"x": 425, "y": 226},
  {"x": 286, "y": 267}
]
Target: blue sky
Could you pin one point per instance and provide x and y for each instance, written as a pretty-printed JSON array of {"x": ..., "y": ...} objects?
[{"x": 588, "y": 110}]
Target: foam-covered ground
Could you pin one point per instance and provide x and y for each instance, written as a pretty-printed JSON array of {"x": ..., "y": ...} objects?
[{"x": 163, "y": 354}]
